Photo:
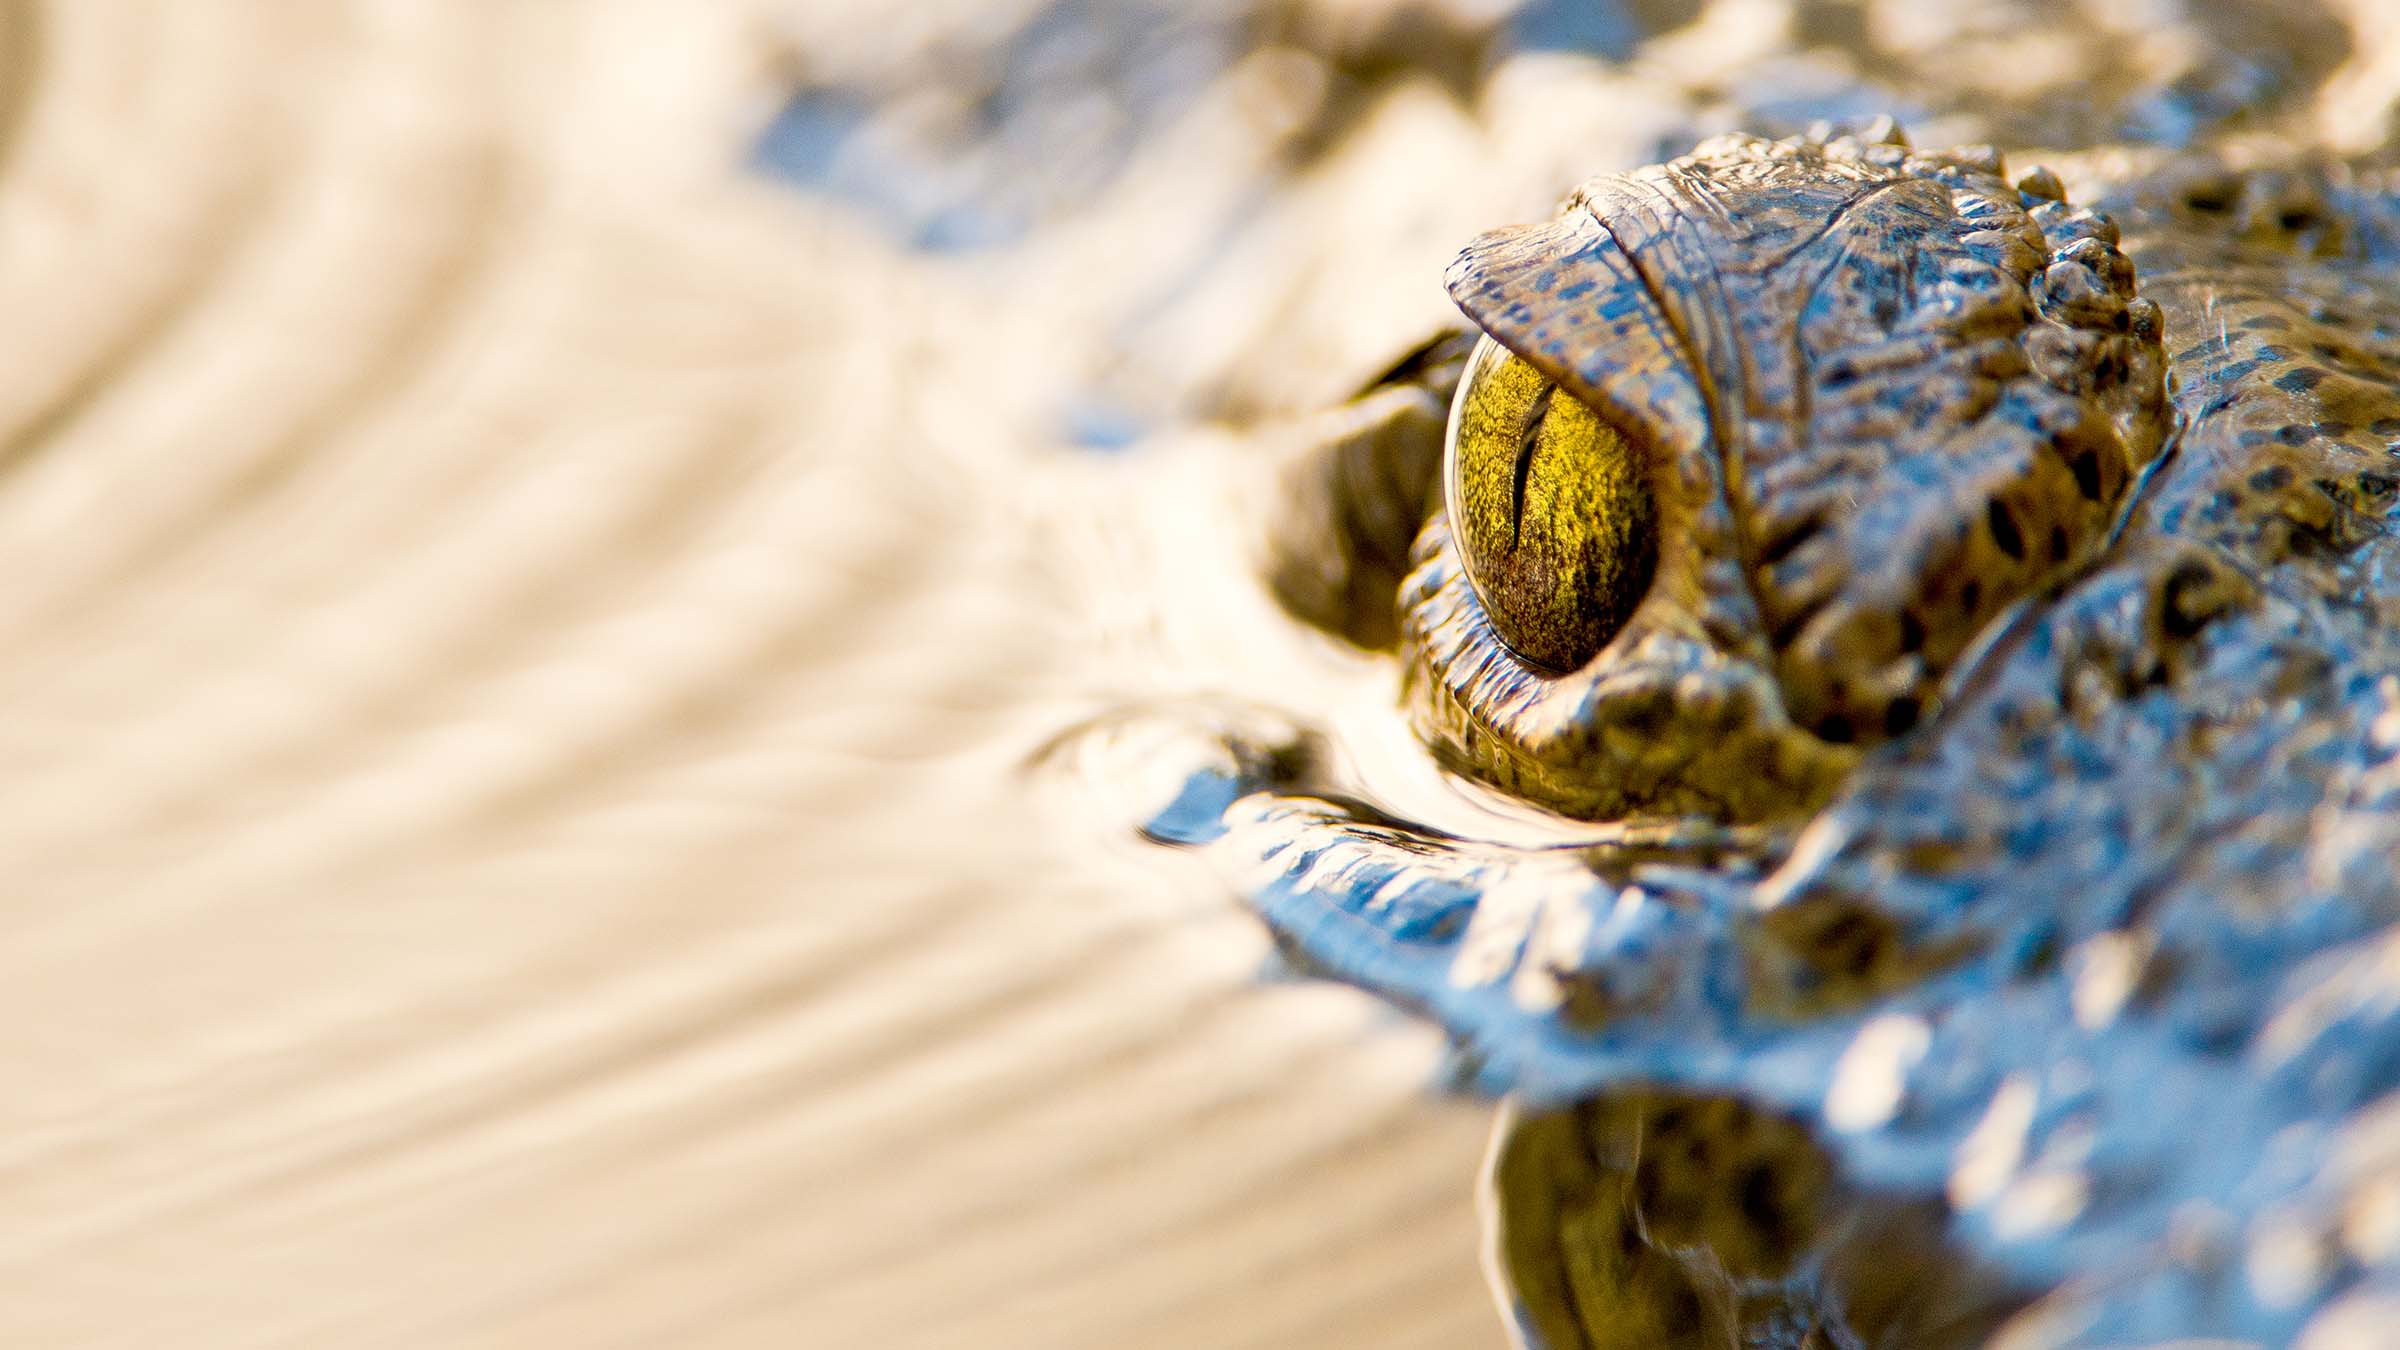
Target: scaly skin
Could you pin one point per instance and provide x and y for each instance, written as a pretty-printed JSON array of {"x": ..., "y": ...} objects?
[{"x": 1987, "y": 920}]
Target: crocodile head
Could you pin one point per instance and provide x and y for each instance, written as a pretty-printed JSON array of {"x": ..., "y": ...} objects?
[
  {"x": 1978, "y": 685},
  {"x": 1758, "y": 441}
]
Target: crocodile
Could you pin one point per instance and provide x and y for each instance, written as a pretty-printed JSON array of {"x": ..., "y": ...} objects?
[{"x": 1948, "y": 630}]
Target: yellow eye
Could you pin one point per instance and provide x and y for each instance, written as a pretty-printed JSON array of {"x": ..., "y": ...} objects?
[{"x": 1548, "y": 505}]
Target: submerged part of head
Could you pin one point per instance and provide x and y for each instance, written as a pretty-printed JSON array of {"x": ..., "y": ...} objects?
[{"x": 1769, "y": 433}]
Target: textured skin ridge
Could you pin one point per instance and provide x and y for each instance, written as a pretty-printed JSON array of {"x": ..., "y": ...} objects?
[{"x": 1885, "y": 394}]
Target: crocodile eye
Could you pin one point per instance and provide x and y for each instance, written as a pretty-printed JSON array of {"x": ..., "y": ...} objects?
[{"x": 1548, "y": 504}]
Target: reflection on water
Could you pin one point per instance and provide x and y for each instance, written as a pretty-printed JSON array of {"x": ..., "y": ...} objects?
[
  {"x": 967, "y": 145},
  {"x": 525, "y": 635}
]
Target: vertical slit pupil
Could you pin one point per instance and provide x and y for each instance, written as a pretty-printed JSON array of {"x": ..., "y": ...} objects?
[{"x": 1528, "y": 441}]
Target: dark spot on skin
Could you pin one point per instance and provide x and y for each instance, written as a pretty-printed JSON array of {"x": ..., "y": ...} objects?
[
  {"x": 1629, "y": 1240},
  {"x": 2296, "y": 218},
  {"x": 2003, "y": 526},
  {"x": 2183, "y": 605},
  {"x": 2294, "y": 434},
  {"x": 1649, "y": 1188},
  {"x": 1647, "y": 712},
  {"x": 2086, "y": 468},
  {"x": 2210, "y": 197},
  {"x": 1684, "y": 1311},
  {"x": 2385, "y": 426},
  {"x": 1836, "y": 727},
  {"x": 1900, "y": 715},
  {"x": 1762, "y": 1206},
  {"x": 2257, "y": 321},
  {"x": 2058, "y": 543},
  {"x": 2301, "y": 381},
  {"x": 1849, "y": 943},
  {"x": 1970, "y": 596},
  {"x": 2375, "y": 485},
  {"x": 1912, "y": 631},
  {"x": 2272, "y": 477}
]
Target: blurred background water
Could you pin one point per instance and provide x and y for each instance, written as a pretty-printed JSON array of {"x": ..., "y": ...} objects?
[{"x": 542, "y": 541}]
